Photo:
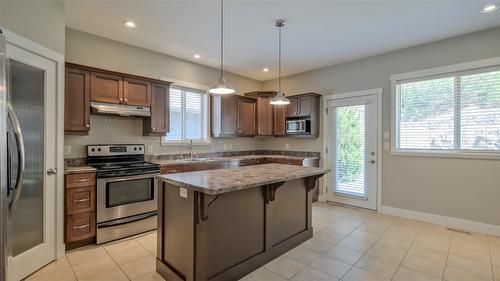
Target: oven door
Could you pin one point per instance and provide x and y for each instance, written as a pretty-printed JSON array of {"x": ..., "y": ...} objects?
[{"x": 121, "y": 197}]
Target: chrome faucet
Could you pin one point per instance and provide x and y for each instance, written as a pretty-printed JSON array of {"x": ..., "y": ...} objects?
[{"x": 190, "y": 147}]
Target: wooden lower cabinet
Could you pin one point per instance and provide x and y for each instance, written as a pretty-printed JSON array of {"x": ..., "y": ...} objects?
[{"x": 80, "y": 209}]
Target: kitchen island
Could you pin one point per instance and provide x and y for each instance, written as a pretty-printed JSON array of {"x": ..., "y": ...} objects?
[{"x": 223, "y": 224}]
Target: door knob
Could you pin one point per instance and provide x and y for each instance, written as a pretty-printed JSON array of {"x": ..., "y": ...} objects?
[
  {"x": 372, "y": 161},
  {"x": 51, "y": 171}
]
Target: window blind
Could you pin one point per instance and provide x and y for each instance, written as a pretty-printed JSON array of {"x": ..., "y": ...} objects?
[
  {"x": 187, "y": 114},
  {"x": 452, "y": 112}
]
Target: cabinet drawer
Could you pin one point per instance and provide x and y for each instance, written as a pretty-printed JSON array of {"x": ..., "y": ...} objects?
[
  {"x": 289, "y": 162},
  {"x": 80, "y": 200},
  {"x": 80, "y": 226},
  {"x": 171, "y": 169},
  {"x": 204, "y": 166},
  {"x": 80, "y": 180}
]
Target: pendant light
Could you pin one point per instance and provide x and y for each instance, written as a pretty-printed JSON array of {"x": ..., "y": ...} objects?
[
  {"x": 221, "y": 87},
  {"x": 280, "y": 98}
]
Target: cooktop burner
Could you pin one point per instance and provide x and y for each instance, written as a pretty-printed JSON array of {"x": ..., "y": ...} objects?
[{"x": 119, "y": 160}]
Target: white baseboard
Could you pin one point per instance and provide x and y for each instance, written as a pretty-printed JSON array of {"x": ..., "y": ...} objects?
[{"x": 462, "y": 224}]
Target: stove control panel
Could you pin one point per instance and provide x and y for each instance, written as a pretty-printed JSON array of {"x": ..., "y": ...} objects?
[{"x": 115, "y": 149}]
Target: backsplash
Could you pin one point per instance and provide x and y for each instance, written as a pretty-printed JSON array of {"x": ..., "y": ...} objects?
[{"x": 82, "y": 161}]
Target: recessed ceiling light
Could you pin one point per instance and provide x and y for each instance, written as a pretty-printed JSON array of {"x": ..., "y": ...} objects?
[
  {"x": 265, "y": 69},
  {"x": 196, "y": 56},
  {"x": 489, "y": 8},
  {"x": 129, "y": 24}
]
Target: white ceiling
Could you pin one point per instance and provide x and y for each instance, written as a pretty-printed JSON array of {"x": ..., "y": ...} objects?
[{"x": 317, "y": 33}]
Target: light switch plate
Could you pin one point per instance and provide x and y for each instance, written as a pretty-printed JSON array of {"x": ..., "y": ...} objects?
[
  {"x": 183, "y": 192},
  {"x": 67, "y": 149},
  {"x": 150, "y": 148},
  {"x": 386, "y": 146},
  {"x": 287, "y": 146},
  {"x": 386, "y": 135}
]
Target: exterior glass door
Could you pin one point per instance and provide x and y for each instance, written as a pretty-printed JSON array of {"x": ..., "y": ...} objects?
[{"x": 352, "y": 137}]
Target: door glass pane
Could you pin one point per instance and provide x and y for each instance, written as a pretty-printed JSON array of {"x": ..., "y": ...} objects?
[
  {"x": 26, "y": 93},
  {"x": 349, "y": 176},
  {"x": 128, "y": 192}
]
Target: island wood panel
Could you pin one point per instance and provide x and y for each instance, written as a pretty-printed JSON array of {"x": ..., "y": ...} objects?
[{"x": 226, "y": 236}]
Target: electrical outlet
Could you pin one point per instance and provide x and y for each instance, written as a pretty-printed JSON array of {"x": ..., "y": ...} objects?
[
  {"x": 183, "y": 192},
  {"x": 150, "y": 148},
  {"x": 225, "y": 146},
  {"x": 287, "y": 146},
  {"x": 230, "y": 146},
  {"x": 67, "y": 149}
]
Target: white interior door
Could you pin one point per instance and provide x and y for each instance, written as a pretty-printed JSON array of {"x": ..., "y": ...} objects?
[
  {"x": 31, "y": 86},
  {"x": 352, "y": 151}
]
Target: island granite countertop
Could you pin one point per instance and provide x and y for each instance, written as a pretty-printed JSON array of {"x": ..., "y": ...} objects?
[{"x": 220, "y": 181}]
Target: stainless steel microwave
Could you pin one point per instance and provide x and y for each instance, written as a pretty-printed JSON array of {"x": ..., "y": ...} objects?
[{"x": 298, "y": 126}]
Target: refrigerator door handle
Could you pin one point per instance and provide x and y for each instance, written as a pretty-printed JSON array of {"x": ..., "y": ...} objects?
[{"x": 21, "y": 155}]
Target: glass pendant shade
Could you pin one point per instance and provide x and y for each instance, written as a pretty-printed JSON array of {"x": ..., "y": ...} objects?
[
  {"x": 221, "y": 88},
  {"x": 279, "y": 99}
]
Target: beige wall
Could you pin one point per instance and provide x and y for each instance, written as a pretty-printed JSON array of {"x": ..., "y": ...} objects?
[
  {"x": 87, "y": 49},
  {"x": 39, "y": 21},
  {"x": 461, "y": 188}
]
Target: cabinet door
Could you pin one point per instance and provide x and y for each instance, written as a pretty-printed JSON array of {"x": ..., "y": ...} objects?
[
  {"x": 77, "y": 101},
  {"x": 229, "y": 116},
  {"x": 246, "y": 118},
  {"x": 292, "y": 108},
  {"x": 136, "y": 92},
  {"x": 305, "y": 106},
  {"x": 106, "y": 88},
  {"x": 264, "y": 116},
  {"x": 279, "y": 120},
  {"x": 160, "y": 102}
]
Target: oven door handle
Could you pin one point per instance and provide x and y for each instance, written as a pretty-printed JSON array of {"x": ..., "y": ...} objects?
[{"x": 126, "y": 220}]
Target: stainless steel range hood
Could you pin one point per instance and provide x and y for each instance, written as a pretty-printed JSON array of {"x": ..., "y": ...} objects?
[{"x": 120, "y": 109}]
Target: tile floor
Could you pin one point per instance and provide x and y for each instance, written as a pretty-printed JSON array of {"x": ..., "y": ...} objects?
[{"x": 349, "y": 244}]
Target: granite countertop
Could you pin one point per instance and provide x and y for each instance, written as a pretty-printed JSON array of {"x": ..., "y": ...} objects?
[
  {"x": 174, "y": 162},
  {"x": 220, "y": 181},
  {"x": 79, "y": 169}
]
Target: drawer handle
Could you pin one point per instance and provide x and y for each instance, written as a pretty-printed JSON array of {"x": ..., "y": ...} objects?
[
  {"x": 81, "y": 200},
  {"x": 81, "y": 227},
  {"x": 81, "y": 180},
  {"x": 173, "y": 171}
]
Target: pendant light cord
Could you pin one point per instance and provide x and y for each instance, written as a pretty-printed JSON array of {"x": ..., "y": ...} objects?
[
  {"x": 279, "y": 59},
  {"x": 221, "y": 38}
]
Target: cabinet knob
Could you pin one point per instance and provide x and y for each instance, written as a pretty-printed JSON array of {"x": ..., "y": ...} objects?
[
  {"x": 153, "y": 129},
  {"x": 126, "y": 100},
  {"x": 87, "y": 125}
]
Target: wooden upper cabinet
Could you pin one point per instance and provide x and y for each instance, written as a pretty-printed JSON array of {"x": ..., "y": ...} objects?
[
  {"x": 77, "y": 101},
  {"x": 159, "y": 122},
  {"x": 279, "y": 120},
  {"x": 106, "y": 88},
  {"x": 136, "y": 92},
  {"x": 229, "y": 116},
  {"x": 293, "y": 107},
  {"x": 303, "y": 105},
  {"x": 264, "y": 112},
  {"x": 264, "y": 116},
  {"x": 232, "y": 115},
  {"x": 246, "y": 117}
]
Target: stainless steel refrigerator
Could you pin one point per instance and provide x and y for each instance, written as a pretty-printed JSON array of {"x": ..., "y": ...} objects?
[{"x": 22, "y": 139}]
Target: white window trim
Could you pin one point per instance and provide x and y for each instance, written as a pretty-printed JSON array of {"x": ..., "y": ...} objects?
[
  {"x": 479, "y": 154},
  {"x": 206, "y": 111}
]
